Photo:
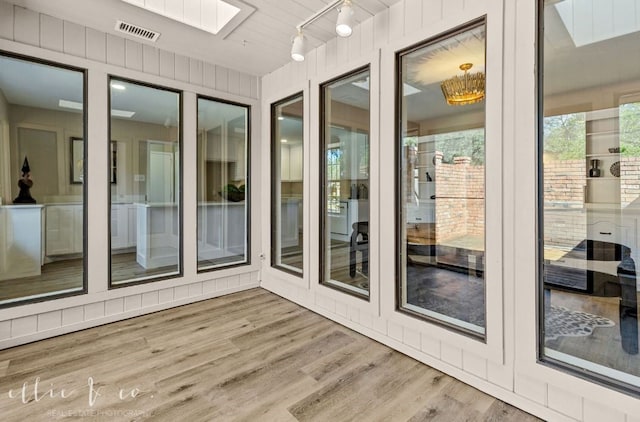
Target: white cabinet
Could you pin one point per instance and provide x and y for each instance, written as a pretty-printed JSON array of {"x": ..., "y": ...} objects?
[
  {"x": 295, "y": 162},
  {"x": 291, "y": 163},
  {"x": 20, "y": 241},
  {"x": 123, "y": 226},
  {"x": 64, "y": 229}
]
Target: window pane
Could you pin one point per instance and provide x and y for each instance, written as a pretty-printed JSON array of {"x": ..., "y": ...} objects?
[
  {"x": 442, "y": 180},
  {"x": 223, "y": 152},
  {"x": 287, "y": 184},
  {"x": 590, "y": 162},
  {"x": 144, "y": 157},
  {"x": 345, "y": 193},
  {"x": 41, "y": 180}
]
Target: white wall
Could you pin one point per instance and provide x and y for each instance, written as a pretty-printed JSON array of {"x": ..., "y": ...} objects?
[
  {"x": 506, "y": 365},
  {"x": 32, "y": 34}
]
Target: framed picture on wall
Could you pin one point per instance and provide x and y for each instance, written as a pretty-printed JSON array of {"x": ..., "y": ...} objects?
[{"x": 77, "y": 161}]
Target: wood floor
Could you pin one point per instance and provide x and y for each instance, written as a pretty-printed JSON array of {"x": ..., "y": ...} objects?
[{"x": 250, "y": 356}]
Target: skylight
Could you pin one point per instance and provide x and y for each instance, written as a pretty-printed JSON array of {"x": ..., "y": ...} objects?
[
  {"x": 207, "y": 15},
  {"x": 606, "y": 19}
]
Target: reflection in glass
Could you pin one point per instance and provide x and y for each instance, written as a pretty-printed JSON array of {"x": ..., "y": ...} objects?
[
  {"x": 144, "y": 175},
  {"x": 345, "y": 193},
  {"x": 41, "y": 207},
  {"x": 223, "y": 192},
  {"x": 442, "y": 181},
  {"x": 287, "y": 184},
  {"x": 590, "y": 152}
]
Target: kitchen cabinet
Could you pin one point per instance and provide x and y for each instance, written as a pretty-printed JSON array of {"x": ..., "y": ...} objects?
[
  {"x": 221, "y": 230},
  {"x": 291, "y": 163},
  {"x": 64, "y": 229},
  {"x": 123, "y": 226},
  {"x": 158, "y": 236}
]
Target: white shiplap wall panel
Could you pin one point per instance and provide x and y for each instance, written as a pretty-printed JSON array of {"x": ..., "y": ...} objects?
[
  {"x": 96, "y": 45},
  {"x": 431, "y": 12},
  {"x": 233, "y": 281},
  {"x": 501, "y": 375},
  {"x": 165, "y": 296},
  {"x": 451, "y": 354},
  {"x": 367, "y": 36},
  {"x": 133, "y": 302},
  {"x": 167, "y": 64},
  {"x": 380, "y": 325},
  {"x": 354, "y": 48},
  {"x": 49, "y": 320},
  {"x": 381, "y": 28},
  {"x": 245, "y": 85},
  {"x": 180, "y": 292},
  {"x": 5, "y": 330},
  {"x": 411, "y": 338},
  {"x": 150, "y": 60},
  {"x": 74, "y": 39},
  {"x": 532, "y": 389},
  {"x": 565, "y": 402},
  {"x": 195, "y": 72},
  {"x": 93, "y": 311},
  {"x": 233, "y": 81},
  {"x": 26, "y": 26},
  {"x": 71, "y": 316},
  {"x": 114, "y": 306},
  {"x": 134, "y": 55},
  {"x": 342, "y": 310},
  {"x": 331, "y": 57},
  {"x": 342, "y": 50},
  {"x": 474, "y": 364},
  {"x": 222, "y": 78},
  {"x": 395, "y": 331},
  {"x": 222, "y": 284},
  {"x": 181, "y": 68},
  {"x": 321, "y": 59},
  {"x": 209, "y": 75},
  {"x": 430, "y": 345},
  {"x": 412, "y": 15},
  {"x": 115, "y": 50},
  {"x": 6, "y": 20},
  {"x": 208, "y": 287},
  {"x": 150, "y": 299},
  {"x": 396, "y": 21},
  {"x": 451, "y": 7},
  {"x": 195, "y": 289},
  {"x": 597, "y": 412},
  {"x": 51, "y": 33},
  {"x": 24, "y": 326},
  {"x": 255, "y": 87},
  {"x": 311, "y": 64}
]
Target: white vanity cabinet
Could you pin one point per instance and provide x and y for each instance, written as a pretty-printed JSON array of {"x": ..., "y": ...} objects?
[
  {"x": 20, "y": 241},
  {"x": 123, "y": 226},
  {"x": 64, "y": 229}
]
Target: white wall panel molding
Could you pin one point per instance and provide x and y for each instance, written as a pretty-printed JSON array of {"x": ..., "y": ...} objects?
[{"x": 32, "y": 28}]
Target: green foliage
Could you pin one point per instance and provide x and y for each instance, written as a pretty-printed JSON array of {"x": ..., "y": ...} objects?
[
  {"x": 630, "y": 129},
  {"x": 466, "y": 143},
  {"x": 564, "y": 136}
]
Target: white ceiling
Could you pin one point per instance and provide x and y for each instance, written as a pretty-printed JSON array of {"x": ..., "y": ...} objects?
[{"x": 258, "y": 46}]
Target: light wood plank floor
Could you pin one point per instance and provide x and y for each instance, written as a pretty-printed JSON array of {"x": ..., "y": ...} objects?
[{"x": 250, "y": 356}]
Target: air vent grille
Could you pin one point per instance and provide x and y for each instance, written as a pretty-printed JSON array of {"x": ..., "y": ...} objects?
[{"x": 137, "y": 31}]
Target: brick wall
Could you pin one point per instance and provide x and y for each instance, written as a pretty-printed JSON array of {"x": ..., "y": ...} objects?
[{"x": 460, "y": 199}]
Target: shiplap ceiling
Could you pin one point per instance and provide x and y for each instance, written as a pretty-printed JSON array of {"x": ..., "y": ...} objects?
[{"x": 258, "y": 46}]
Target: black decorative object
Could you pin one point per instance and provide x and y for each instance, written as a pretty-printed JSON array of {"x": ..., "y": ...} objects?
[
  {"x": 594, "y": 171},
  {"x": 615, "y": 169},
  {"x": 25, "y": 184}
]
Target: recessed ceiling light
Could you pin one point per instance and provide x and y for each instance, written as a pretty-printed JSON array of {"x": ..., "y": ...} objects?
[
  {"x": 284, "y": 141},
  {"x": 118, "y": 86},
  {"x": 280, "y": 118}
]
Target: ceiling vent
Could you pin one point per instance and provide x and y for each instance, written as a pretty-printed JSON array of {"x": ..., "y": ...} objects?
[{"x": 137, "y": 31}]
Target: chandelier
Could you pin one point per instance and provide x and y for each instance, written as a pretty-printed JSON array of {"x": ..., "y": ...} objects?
[{"x": 465, "y": 89}]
